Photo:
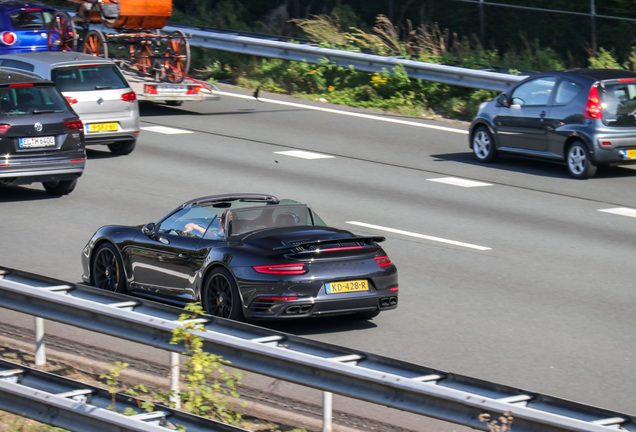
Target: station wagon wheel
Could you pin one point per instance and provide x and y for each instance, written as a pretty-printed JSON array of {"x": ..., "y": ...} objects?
[
  {"x": 220, "y": 295},
  {"x": 578, "y": 160},
  {"x": 95, "y": 44},
  {"x": 177, "y": 56},
  {"x": 107, "y": 269},
  {"x": 62, "y": 35},
  {"x": 61, "y": 187},
  {"x": 484, "y": 145}
]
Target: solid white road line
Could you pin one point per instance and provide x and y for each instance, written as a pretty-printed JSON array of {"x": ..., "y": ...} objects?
[
  {"x": 421, "y": 236},
  {"x": 621, "y": 211},
  {"x": 303, "y": 154},
  {"x": 352, "y": 114},
  {"x": 165, "y": 130},
  {"x": 459, "y": 182}
]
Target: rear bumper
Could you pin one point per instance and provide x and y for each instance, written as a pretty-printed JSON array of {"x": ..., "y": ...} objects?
[{"x": 32, "y": 171}]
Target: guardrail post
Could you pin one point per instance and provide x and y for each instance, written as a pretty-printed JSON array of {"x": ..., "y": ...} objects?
[
  {"x": 40, "y": 353},
  {"x": 175, "y": 377},
  {"x": 327, "y": 411}
]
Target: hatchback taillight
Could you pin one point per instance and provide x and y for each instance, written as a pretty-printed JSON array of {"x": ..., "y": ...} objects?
[
  {"x": 8, "y": 38},
  {"x": 129, "y": 97},
  {"x": 71, "y": 100},
  {"x": 74, "y": 124},
  {"x": 4, "y": 128},
  {"x": 593, "y": 105}
]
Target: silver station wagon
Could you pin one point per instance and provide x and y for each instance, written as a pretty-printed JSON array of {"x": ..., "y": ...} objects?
[{"x": 95, "y": 88}]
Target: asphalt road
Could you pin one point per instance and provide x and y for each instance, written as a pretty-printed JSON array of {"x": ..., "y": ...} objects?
[{"x": 512, "y": 273}]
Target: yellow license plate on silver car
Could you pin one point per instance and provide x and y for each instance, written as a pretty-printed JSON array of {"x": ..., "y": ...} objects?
[
  {"x": 347, "y": 286},
  {"x": 101, "y": 127},
  {"x": 631, "y": 153}
]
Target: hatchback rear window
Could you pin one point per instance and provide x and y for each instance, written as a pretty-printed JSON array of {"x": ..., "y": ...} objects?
[
  {"x": 32, "y": 19},
  {"x": 88, "y": 78},
  {"x": 618, "y": 101},
  {"x": 27, "y": 100}
]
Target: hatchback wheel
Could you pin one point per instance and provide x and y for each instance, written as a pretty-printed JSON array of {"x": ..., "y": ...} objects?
[
  {"x": 122, "y": 148},
  {"x": 107, "y": 271},
  {"x": 220, "y": 295},
  {"x": 484, "y": 145},
  {"x": 579, "y": 163},
  {"x": 62, "y": 187}
]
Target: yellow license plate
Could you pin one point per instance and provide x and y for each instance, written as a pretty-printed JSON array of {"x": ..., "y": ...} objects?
[
  {"x": 631, "y": 154},
  {"x": 347, "y": 286},
  {"x": 101, "y": 127}
]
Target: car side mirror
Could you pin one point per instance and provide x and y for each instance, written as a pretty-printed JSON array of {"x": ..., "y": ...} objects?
[
  {"x": 502, "y": 100},
  {"x": 149, "y": 229}
]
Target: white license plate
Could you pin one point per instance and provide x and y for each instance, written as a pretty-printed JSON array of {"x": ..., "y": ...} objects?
[{"x": 37, "y": 142}]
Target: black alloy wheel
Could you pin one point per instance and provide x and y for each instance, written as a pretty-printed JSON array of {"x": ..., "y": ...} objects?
[
  {"x": 108, "y": 272},
  {"x": 220, "y": 295}
]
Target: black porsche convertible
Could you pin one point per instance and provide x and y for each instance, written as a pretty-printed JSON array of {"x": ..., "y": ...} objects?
[{"x": 245, "y": 256}]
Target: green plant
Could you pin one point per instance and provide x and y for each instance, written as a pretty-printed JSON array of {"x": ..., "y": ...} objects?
[{"x": 209, "y": 382}]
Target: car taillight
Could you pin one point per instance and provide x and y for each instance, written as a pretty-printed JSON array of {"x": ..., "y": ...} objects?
[
  {"x": 282, "y": 269},
  {"x": 74, "y": 124},
  {"x": 193, "y": 90},
  {"x": 383, "y": 261},
  {"x": 70, "y": 100},
  {"x": 129, "y": 97},
  {"x": 593, "y": 105},
  {"x": 4, "y": 128},
  {"x": 8, "y": 38},
  {"x": 150, "y": 89}
]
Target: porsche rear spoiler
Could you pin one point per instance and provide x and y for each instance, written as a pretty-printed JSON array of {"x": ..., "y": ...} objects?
[{"x": 331, "y": 245}]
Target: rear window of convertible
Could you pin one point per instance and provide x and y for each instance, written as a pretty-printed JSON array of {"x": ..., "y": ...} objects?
[{"x": 88, "y": 78}]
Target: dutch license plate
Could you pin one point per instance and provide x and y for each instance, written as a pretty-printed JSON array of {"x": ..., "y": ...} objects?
[
  {"x": 347, "y": 286},
  {"x": 631, "y": 154},
  {"x": 171, "y": 89},
  {"x": 37, "y": 142},
  {"x": 101, "y": 127}
]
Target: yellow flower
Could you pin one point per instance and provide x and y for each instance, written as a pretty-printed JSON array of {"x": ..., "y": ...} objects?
[
  {"x": 331, "y": 88},
  {"x": 313, "y": 71}
]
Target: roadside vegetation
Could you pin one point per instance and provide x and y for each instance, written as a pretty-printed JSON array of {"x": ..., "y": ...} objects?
[
  {"x": 390, "y": 90},
  {"x": 210, "y": 386}
]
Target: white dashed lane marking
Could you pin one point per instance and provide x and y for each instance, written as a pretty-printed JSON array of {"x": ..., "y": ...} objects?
[
  {"x": 421, "y": 236},
  {"x": 459, "y": 182},
  {"x": 621, "y": 211},
  {"x": 304, "y": 154},
  {"x": 165, "y": 130}
]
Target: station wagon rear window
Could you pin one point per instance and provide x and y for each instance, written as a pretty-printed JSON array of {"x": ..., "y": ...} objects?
[{"x": 88, "y": 78}]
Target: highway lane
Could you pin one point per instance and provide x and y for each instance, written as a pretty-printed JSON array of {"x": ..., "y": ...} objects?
[{"x": 545, "y": 307}]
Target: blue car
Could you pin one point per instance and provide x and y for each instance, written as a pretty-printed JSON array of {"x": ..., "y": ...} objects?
[{"x": 24, "y": 26}]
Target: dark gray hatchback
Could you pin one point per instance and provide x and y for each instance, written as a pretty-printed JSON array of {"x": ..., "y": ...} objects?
[
  {"x": 582, "y": 117},
  {"x": 41, "y": 137}
]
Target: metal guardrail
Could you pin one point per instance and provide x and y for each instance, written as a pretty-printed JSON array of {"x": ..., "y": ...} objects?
[
  {"x": 70, "y": 404},
  {"x": 348, "y": 372},
  {"x": 266, "y": 47}
]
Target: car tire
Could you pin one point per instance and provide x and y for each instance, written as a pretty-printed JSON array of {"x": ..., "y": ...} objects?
[
  {"x": 174, "y": 103},
  {"x": 579, "y": 163},
  {"x": 62, "y": 187},
  {"x": 107, "y": 270},
  {"x": 366, "y": 315},
  {"x": 122, "y": 148},
  {"x": 484, "y": 145},
  {"x": 220, "y": 296}
]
